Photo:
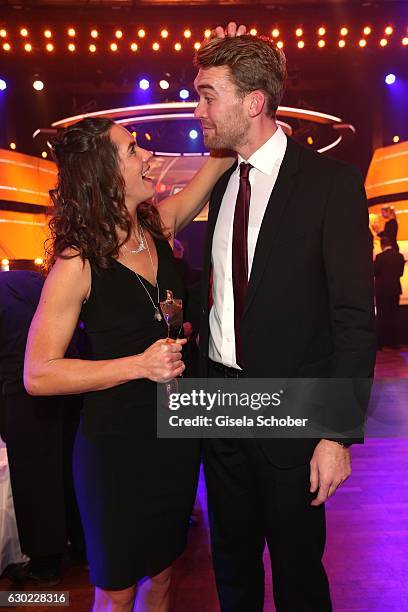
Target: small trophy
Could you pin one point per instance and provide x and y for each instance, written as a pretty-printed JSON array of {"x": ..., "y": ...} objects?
[{"x": 172, "y": 309}]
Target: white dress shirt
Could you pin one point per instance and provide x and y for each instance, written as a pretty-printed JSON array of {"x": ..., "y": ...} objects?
[{"x": 266, "y": 162}]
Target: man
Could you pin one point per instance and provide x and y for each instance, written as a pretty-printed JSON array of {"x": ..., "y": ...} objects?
[
  {"x": 291, "y": 297},
  {"x": 39, "y": 443},
  {"x": 388, "y": 268}
]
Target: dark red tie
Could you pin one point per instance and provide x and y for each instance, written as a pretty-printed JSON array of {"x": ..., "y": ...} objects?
[{"x": 240, "y": 254}]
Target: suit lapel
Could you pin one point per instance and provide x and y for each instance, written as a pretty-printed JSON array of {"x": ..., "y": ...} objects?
[
  {"x": 214, "y": 209},
  {"x": 216, "y": 199},
  {"x": 270, "y": 224}
]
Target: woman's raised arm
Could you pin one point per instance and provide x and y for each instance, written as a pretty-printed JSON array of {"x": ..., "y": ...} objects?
[{"x": 178, "y": 210}]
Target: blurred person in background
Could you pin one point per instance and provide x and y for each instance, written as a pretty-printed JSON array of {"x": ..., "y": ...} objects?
[
  {"x": 39, "y": 445},
  {"x": 388, "y": 269},
  {"x": 390, "y": 230}
]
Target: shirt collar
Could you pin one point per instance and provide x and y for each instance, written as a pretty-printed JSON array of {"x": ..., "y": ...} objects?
[{"x": 264, "y": 159}]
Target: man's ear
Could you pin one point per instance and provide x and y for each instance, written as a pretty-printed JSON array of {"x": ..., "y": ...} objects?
[{"x": 256, "y": 103}]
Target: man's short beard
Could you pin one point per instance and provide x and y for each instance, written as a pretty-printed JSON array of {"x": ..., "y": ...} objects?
[
  {"x": 231, "y": 141},
  {"x": 214, "y": 142}
]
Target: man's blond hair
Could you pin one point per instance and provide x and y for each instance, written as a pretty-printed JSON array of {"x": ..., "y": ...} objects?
[{"x": 255, "y": 63}]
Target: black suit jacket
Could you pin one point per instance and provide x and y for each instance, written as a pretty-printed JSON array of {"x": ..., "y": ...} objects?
[
  {"x": 20, "y": 292},
  {"x": 388, "y": 268},
  {"x": 391, "y": 231},
  {"x": 309, "y": 306}
]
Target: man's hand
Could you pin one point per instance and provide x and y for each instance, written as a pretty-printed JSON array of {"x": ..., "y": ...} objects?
[
  {"x": 330, "y": 466},
  {"x": 232, "y": 30}
]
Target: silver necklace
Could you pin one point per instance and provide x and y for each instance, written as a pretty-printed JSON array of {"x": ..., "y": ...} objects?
[
  {"x": 157, "y": 314},
  {"x": 141, "y": 246}
]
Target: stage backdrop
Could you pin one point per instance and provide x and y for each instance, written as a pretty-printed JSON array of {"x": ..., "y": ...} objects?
[
  {"x": 24, "y": 184},
  {"x": 387, "y": 184}
]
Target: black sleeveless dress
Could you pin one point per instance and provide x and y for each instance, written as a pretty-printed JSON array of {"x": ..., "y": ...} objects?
[{"x": 135, "y": 492}]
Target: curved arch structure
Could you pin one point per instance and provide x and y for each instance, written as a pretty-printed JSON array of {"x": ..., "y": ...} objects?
[{"x": 177, "y": 111}]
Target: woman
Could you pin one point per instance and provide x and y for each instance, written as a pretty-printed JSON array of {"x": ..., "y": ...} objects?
[
  {"x": 391, "y": 226},
  {"x": 110, "y": 266}
]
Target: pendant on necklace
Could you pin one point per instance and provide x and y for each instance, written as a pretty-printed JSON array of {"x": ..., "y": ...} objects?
[
  {"x": 139, "y": 249},
  {"x": 157, "y": 315}
]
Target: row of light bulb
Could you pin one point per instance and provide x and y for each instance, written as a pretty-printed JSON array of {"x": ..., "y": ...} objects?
[
  {"x": 114, "y": 47},
  {"x": 322, "y": 30},
  {"x": 95, "y": 33},
  {"x": 50, "y": 47}
]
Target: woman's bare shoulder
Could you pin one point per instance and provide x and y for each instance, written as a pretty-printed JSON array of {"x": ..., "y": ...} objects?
[{"x": 72, "y": 272}]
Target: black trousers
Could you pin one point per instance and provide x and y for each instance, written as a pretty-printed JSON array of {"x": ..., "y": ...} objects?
[
  {"x": 387, "y": 320},
  {"x": 252, "y": 502},
  {"x": 36, "y": 441}
]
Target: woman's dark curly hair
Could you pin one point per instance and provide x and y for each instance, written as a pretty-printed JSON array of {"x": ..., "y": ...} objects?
[{"x": 89, "y": 199}]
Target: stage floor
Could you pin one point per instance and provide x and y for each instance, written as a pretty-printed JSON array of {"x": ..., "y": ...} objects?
[{"x": 367, "y": 523}]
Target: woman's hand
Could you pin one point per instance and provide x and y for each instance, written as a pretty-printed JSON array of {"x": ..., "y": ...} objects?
[
  {"x": 225, "y": 156},
  {"x": 162, "y": 362},
  {"x": 231, "y": 30},
  {"x": 222, "y": 160}
]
